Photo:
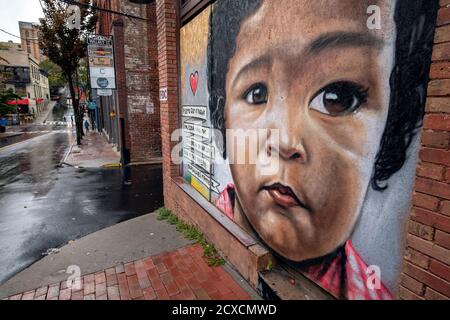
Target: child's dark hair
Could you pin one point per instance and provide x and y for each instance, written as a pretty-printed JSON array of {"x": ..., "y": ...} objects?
[{"x": 415, "y": 23}]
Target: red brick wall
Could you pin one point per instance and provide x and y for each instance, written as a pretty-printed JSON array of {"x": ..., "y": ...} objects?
[
  {"x": 137, "y": 78},
  {"x": 168, "y": 78},
  {"x": 426, "y": 271},
  {"x": 141, "y": 67},
  {"x": 119, "y": 55}
]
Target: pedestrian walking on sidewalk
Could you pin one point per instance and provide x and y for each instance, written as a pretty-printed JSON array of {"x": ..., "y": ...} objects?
[{"x": 86, "y": 126}]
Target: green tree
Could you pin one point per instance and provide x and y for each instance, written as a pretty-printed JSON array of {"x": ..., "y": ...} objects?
[
  {"x": 55, "y": 74},
  {"x": 83, "y": 78},
  {"x": 6, "y": 96},
  {"x": 65, "y": 46}
]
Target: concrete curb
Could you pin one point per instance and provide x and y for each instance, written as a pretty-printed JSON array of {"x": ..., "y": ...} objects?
[
  {"x": 111, "y": 166},
  {"x": 150, "y": 162},
  {"x": 63, "y": 161}
]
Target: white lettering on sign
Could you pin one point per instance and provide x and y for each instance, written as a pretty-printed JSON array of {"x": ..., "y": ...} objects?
[
  {"x": 204, "y": 178},
  {"x": 205, "y": 164},
  {"x": 199, "y": 112},
  {"x": 101, "y": 62},
  {"x": 100, "y": 40},
  {"x": 197, "y": 130},
  {"x": 104, "y": 92},
  {"x": 163, "y": 94},
  {"x": 201, "y": 148}
]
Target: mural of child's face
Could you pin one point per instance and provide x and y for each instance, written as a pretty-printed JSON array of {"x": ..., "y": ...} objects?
[{"x": 314, "y": 71}]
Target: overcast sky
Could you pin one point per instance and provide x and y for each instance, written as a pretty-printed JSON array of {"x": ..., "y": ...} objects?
[{"x": 13, "y": 11}]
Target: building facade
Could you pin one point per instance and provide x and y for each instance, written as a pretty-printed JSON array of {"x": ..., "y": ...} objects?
[
  {"x": 333, "y": 210},
  {"x": 29, "y": 34},
  {"x": 130, "y": 117},
  {"x": 22, "y": 73}
]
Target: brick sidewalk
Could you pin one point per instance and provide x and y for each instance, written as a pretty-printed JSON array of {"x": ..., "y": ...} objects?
[{"x": 182, "y": 274}]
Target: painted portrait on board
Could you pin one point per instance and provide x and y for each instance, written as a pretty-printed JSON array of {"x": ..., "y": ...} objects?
[{"x": 343, "y": 85}]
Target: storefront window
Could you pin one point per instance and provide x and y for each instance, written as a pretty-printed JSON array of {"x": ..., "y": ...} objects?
[{"x": 15, "y": 75}]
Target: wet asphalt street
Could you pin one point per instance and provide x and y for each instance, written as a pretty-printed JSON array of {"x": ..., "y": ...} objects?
[
  {"x": 28, "y": 131},
  {"x": 44, "y": 206}
]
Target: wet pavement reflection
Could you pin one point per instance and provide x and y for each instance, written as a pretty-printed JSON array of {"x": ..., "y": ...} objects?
[
  {"x": 24, "y": 132},
  {"x": 45, "y": 206}
]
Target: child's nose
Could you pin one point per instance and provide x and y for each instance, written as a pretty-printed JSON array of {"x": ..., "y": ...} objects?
[
  {"x": 287, "y": 145},
  {"x": 290, "y": 130},
  {"x": 287, "y": 151}
]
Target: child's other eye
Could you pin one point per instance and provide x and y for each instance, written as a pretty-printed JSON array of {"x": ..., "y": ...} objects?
[
  {"x": 257, "y": 94},
  {"x": 339, "y": 98}
]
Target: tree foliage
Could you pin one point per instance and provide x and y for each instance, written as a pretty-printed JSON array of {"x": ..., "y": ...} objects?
[
  {"x": 55, "y": 75},
  {"x": 66, "y": 47},
  {"x": 83, "y": 77},
  {"x": 62, "y": 45},
  {"x": 6, "y": 96}
]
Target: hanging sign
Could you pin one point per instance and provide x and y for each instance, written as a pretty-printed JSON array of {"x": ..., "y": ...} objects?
[
  {"x": 104, "y": 92},
  {"x": 101, "y": 62}
]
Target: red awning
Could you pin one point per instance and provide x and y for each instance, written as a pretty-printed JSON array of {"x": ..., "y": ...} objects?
[{"x": 20, "y": 102}]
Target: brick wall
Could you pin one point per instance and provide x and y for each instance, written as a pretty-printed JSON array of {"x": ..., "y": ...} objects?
[
  {"x": 168, "y": 78},
  {"x": 137, "y": 78},
  {"x": 426, "y": 271},
  {"x": 141, "y": 67},
  {"x": 118, "y": 102}
]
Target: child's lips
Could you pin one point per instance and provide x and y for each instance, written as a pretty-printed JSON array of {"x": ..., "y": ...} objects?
[{"x": 283, "y": 196}]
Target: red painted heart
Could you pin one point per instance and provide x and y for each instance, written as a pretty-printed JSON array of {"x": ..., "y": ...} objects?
[{"x": 193, "y": 79}]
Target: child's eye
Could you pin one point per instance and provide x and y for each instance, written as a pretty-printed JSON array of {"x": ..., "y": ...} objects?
[
  {"x": 339, "y": 98},
  {"x": 257, "y": 94}
]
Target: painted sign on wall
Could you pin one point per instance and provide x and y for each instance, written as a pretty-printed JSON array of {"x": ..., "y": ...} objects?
[{"x": 335, "y": 105}]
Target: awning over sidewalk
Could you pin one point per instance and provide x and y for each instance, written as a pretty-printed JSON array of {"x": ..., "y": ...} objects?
[{"x": 20, "y": 102}]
